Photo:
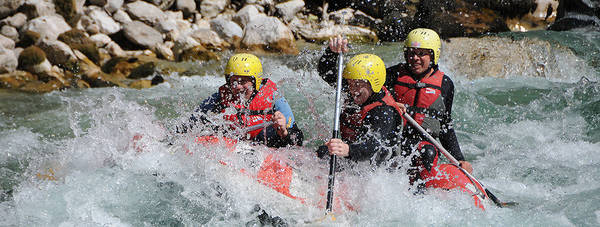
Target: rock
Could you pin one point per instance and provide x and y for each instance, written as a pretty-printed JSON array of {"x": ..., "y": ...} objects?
[
  {"x": 38, "y": 8},
  {"x": 316, "y": 34},
  {"x": 101, "y": 40},
  {"x": 142, "y": 34},
  {"x": 113, "y": 5},
  {"x": 6, "y": 43},
  {"x": 269, "y": 34},
  {"x": 183, "y": 43},
  {"x": 201, "y": 23},
  {"x": 42, "y": 87},
  {"x": 78, "y": 40},
  {"x": 458, "y": 18},
  {"x": 212, "y": 8},
  {"x": 164, "y": 52},
  {"x": 544, "y": 14},
  {"x": 208, "y": 38},
  {"x": 141, "y": 84},
  {"x": 17, "y": 20},
  {"x": 8, "y": 61},
  {"x": 105, "y": 23},
  {"x": 9, "y": 7},
  {"x": 145, "y": 12},
  {"x": 188, "y": 7},
  {"x": 227, "y": 30},
  {"x": 100, "y": 3},
  {"x": 56, "y": 51},
  {"x": 122, "y": 17},
  {"x": 10, "y": 32},
  {"x": 143, "y": 70},
  {"x": 28, "y": 38},
  {"x": 16, "y": 79},
  {"x": 115, "y": 50},
  {"x": 244, "y": 15},
  {"x": 30, "y": 57},
  {"x": 47, "y": 26},
  {"x": 288, "y": 9},
  {"x": 162, "y": 4},
  {"x": 197, "y": 53}
]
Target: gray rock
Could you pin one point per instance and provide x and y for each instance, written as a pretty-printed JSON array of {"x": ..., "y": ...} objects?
[
  {"x": 186, "y": 6},
  {"x": 41, "y": 8},
  {"x": 227, "y": 30},
  {"x": 10, "y": 32},
  {"x": 269, "y": 33},
  {"x": 8, "y": 61},
  {"x": 105, "y": 23},
  {"x": 115, "y": 50},
  {"x": 208, "y": 38},
  {"x": 288, "y": 9},
  {"x": 101, "y": 40},
  {"x": 47, "y": 26},
  {"x": 162, "y": 4},
  {"x": 122, "y": 17},
  {"x": 244, "y": 15},
  {"x": 6, "y": 43},
  {"x": 113, "y": 5},
  {"x": 17, "y": 20},
  {"x": 56, "y": 51},
  {"x": 9, "y": 7},
  {"x": 212, "y": 8},
  {"x": 145, "y": 12},
  {"x": 100, "y": 3},
  {"x": 142, "y": 34}
]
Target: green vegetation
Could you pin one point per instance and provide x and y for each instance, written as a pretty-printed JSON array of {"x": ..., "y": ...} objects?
[{"x": 31, "y": 56}]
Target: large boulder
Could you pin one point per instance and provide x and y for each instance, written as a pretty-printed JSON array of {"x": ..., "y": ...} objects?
[
  {"x": 162, "y": 4},
  {"x": 9, "y": 7},
  {"x": 142, "y": 34},
  {"x": 227, "y": 30},
  {"x": 10, "y": 32},
  {"x": 288, "y": 9},
  {"x": 244, "y": 15},
  {"x": 105, "y": 23},
  {"x": 212, "y": 8},
  {"x": 268, "y": 34},
  {"x": 38, "y": 8},
  {"x": 145, "y": 12},
  {"x": 8, "y": 61},
  {"x": 17, "y": 20},
  {"x": 122, "y": 17},
  {"x": 208, "y": 38},
  {"x": 6, "y": 43},
  {"x": 47, "y": 26},
  {"x": 56, "y": 51},
  {"x": 113, "y": 5},
  {"x": 188, "y": 7}
]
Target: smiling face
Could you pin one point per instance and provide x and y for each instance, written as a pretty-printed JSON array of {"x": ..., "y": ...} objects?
[
  {"x": 360, "y": 90},
  {"x": 241, "y": 86},
  {"x": 418, "y": 59}
]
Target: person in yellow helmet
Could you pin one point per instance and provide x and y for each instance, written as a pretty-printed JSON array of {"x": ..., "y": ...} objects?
[
  {"x": 371, "y": 120},
  {"x": 424, "y": 89},
  {"x": 246, "y": 100}
]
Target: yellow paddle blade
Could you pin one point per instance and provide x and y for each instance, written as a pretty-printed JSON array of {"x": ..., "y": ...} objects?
[{"x": 328, "y": 216}]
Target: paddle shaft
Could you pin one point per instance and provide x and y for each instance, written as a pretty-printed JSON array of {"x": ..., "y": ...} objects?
[
  {"x": 336, "y": 133},
  {"x": 258, "y": 126},
  {"x": 451, "y": 158}
]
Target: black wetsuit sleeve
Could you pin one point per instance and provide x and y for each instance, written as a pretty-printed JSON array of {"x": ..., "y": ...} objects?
[
  {"x": 448, "y": 135},
  {"x": 379, "y": 123},
  {"x": 269, "y": 137},
  {"x": 327, "y": 67}
]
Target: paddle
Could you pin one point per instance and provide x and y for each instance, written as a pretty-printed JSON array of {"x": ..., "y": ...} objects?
[
  {"x": 336, "y": 133},
  {"x": 455, "y": 162}
]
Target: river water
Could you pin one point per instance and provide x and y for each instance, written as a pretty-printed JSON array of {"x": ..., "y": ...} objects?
[{"x": 526, "y": 110}]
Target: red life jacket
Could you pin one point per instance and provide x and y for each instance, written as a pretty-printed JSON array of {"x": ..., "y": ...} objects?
[
  {"x": 351, "y": 121},
  {"x": 256, "y": 111},
  {"x": 424, "y": 98}
]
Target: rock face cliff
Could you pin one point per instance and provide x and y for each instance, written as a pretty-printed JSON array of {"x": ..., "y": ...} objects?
[{"x": 55, "y": 44}]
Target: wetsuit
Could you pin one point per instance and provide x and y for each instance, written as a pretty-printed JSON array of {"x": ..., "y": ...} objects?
[
  {"x": 375, "y": 137},
  {"x": 268, "y": 104}
]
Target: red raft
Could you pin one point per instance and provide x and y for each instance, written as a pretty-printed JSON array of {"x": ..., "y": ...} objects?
[
  {"x": 276, "y": 173},
  {"x": 450, "y": 176}
]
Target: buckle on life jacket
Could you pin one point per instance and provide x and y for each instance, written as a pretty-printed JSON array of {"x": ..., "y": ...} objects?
[{"x": 421, "y": 85}]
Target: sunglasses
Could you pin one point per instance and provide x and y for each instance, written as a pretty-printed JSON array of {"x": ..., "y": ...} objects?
[
  {"x": 235, "y": 80},
  {"x": 417, "y": 51}
]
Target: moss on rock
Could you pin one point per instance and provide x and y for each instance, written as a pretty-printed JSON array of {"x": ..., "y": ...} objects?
[
  {"x": 144, "y": 70},
  {"x": 67, "y": 8},
  {"x": 31, "y": 56},
  {"x": 28, "y": 38},
  {"x": 78, "y": 40}
]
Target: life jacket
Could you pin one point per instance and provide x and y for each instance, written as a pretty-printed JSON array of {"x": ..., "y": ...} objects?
[
  {"x": 257, "y": 110},
  {"x": 426, "y": 104},
  {"x": 352, "y": 120}
]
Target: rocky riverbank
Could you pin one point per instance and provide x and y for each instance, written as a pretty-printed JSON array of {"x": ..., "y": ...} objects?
[{"x": 48, "y": 45}]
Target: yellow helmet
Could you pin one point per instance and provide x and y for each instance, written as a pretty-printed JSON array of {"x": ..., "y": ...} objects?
[
  {"x": 426, "y": 39},
  {"x": 245, "y": 65},
  {"x": 366, "y": 67}
]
